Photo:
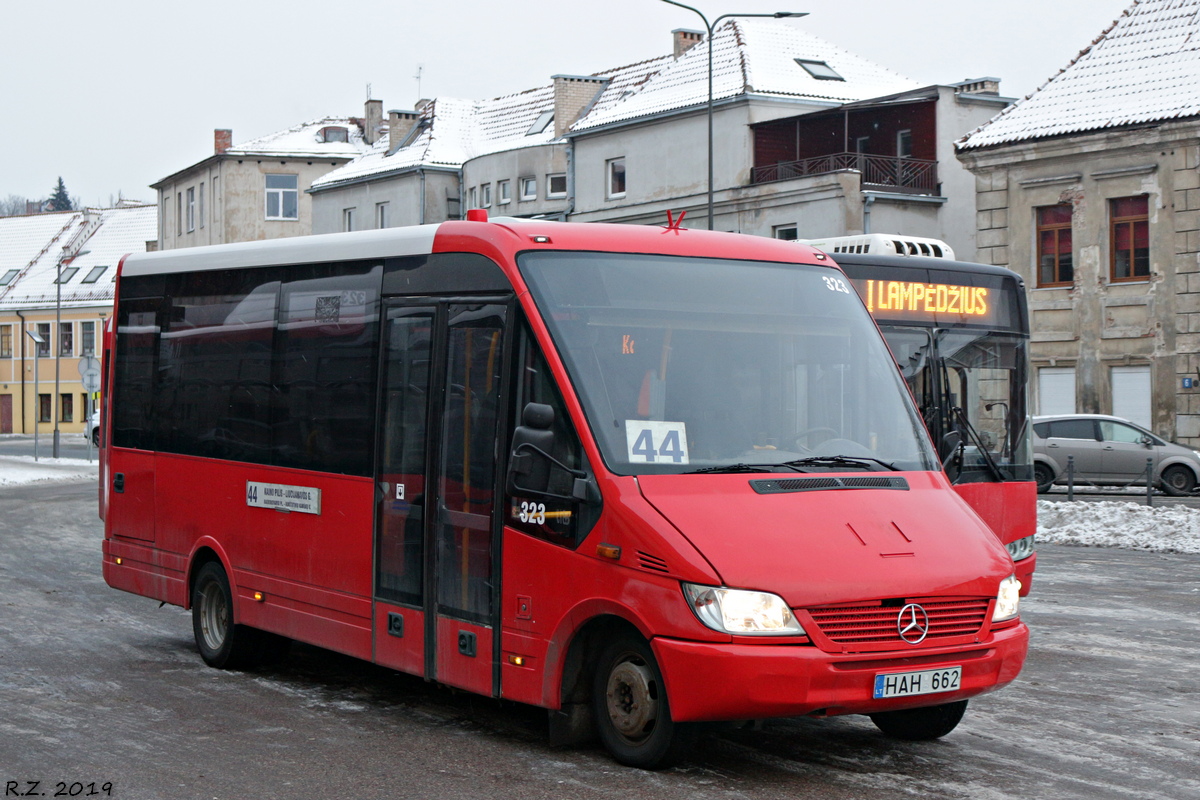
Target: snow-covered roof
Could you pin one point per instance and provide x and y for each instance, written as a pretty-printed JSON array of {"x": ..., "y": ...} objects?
[
  {"x": 749, "y": 57},
  {"x": 304, "y": 140},
  {"x": 97, "y": 237},
  {"x": 753, "y": 57},
  {"x": 1144, "y": 68}
]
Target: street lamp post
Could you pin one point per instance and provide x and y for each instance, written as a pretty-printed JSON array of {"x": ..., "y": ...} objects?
[
  {"x": 710, "y": 27},
  {"x": 37, "y": 340}
]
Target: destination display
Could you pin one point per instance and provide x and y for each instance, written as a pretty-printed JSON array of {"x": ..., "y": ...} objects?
[{"x": 928, "y": 302}]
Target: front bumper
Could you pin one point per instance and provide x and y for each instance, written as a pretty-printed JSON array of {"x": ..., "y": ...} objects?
[{"x": 751, "y": 681}]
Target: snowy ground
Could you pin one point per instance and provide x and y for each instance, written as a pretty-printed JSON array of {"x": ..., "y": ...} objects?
[
  {"x": 21, "y": 470},
  {"x": 1132, "y": 526}
]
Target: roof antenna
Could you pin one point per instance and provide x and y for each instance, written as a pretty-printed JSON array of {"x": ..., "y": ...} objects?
[
  {"x": 368, "y": 91},
  {"x": 420, "y": 69}
]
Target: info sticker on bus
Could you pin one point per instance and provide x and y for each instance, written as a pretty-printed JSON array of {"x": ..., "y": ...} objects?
[
  {"x": 304, "y": 499},
  {"x": 654, "y": 442}
]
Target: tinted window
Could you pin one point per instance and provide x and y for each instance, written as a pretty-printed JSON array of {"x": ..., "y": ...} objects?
[
  {"x": 1073, "y": 429},
  {"x": 215, "y": 390},
  {"x": 325, "y": 348},
  {"x": 133, "y": 406},
  {"x": 1042, "y": 429}
]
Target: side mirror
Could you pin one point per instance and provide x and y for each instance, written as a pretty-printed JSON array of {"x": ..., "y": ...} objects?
[
  {"x": 1146, "y": 440},
  {"x": 950, "y": 450},
  {"x": 531, "y": 462}
]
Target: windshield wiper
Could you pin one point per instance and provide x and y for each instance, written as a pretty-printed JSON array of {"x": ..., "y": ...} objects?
[
  {"x": 742, "y": 468},
  {"x": 840, "y": 461}
]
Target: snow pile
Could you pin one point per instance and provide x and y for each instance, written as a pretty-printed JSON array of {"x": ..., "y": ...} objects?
[
  {"x": 1162, "y": 529},
  {"x": 20, "y": 470}
]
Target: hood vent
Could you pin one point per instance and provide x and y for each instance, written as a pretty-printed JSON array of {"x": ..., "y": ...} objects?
[
  {"x": 652, "y": 563},
  {"x": 823, "y": 483}
]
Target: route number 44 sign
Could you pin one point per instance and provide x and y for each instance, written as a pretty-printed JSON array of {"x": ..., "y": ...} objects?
[{"x": 654, "y": 442}]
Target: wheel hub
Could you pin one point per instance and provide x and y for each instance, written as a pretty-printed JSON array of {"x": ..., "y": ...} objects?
[{"x": 631, "y": 703}]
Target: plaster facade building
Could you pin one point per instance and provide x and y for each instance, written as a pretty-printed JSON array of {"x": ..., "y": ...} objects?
[
  {"x": 57, "y": 274},
  {"x": 257, "y": 190},
  {"x": 1090, "y": 189},
  {"x": 629, "y": 144}
]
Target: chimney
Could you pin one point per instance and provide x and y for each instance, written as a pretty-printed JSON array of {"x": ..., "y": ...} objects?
[
  {"x": 400, "y": 124},
  {"x": 372, "y": 120},
  {"x": 573, "y": 95},
  {"x": 978, "y": 86},
  {"x": 222, "y": 140},
  {"x": 685, "y": 40}
]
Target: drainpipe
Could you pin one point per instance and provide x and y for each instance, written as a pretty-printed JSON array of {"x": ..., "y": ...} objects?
[
  {"x": 421, "y": 172},
  {"x": 462, "y": 199},
  {"x": 570, "y": 209},
  {"x": 868, "y": 201},
  {"x": 22, "y": 338}
]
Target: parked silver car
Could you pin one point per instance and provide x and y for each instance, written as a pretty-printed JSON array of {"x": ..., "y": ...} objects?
[
  {"x": 93, "y": 427},
  {"x": 1109, "y": 451}
]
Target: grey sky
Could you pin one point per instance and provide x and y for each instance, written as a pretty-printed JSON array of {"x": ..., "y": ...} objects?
[{"x": 113, "y": 96}]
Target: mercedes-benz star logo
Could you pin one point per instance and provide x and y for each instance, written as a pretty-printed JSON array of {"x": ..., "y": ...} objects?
[{"x": 913, "y": 624}]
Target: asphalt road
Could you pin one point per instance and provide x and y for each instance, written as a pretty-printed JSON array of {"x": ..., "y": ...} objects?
[
  {"x": 101, "y": 688},
  {"x": 70, "y": 445}
]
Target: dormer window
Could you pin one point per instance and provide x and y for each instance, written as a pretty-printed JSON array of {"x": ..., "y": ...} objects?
[
  {"x": 539, "y": 124},
  {"x": 66, "y": 274},
  {"x": 333, "y": 133},
  {"x": 7, "y": 278},
  {"x": 94, "y": 275},
  {"x": 819, "y": 70}
]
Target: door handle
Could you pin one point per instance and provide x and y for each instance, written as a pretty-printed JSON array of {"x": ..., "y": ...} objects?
[{"x": 119, "y": 483}]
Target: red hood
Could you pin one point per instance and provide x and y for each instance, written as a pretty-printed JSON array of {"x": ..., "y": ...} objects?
[{"x": 837, "y": 545}]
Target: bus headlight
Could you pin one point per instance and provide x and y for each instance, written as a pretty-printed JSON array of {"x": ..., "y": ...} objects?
[
  {"x": 1021, "y": 548},
  {"x": 742, "y": 612},
  {"x": 1007, "y": 599}
]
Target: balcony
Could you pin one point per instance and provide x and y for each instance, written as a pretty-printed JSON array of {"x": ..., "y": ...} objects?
[{"x": 911, "y": 175}]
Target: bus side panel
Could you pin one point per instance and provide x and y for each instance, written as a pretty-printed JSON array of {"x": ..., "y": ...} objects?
[
  {"x": 131, "y": 499},
  {"x": 400, "y": 638},
  {"x": 313, "y": 570},
  {"x": 460, "y": 645}
]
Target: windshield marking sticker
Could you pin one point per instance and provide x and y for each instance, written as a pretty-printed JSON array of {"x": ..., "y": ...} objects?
[{"x": 656, "y": 442}]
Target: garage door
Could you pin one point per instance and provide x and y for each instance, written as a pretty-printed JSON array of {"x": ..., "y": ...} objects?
[
  {"x": 1056, "y": 390},
  {"x": 1131, "y": 394}
]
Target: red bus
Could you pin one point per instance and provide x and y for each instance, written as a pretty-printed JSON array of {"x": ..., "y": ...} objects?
[
  {"x": 960, "y": 333},
  {"x": 640, "y": 477}
]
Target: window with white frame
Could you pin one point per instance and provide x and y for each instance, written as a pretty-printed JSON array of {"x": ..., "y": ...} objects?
[
  {"x": 87, "y": 337},
  {"x": 904, "y": 143},
  {"x": 503, "y": 193},
  {"x": 66, "y": 338},
  {"x": 786, "y": 232},
  {"x": 529, "y": 188},
  {"x": 485, "y": 196},
  {"x": 615, "y": 167},
  {"x": 200, "y": 208},
  {"x": 179, "y": 213},
  {"x": 348, "y": 218},
  {"x": 381, "y": 215},
  {"x": 191, "y": 209},
  {"x": 283, "y": 197},
  {"x": 471, "y": 198},
  {"x": 43, "y": 332},
  {"x": 556, "y": 185}
]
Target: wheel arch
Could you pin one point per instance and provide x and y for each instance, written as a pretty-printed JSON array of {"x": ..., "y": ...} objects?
[{"x": 206, "y": 552}]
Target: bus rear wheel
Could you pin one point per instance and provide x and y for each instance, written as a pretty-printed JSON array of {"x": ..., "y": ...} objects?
[
  {"x": 222, "y": 643},
  {"x": 629, "y": 701},
  {"x": 921, "y": 724}
]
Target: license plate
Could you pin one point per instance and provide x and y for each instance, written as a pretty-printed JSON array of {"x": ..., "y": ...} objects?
[{"x": 926, "y": 681}]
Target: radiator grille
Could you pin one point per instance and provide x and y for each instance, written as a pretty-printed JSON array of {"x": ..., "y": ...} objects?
[{"x": 876, "y": 623}]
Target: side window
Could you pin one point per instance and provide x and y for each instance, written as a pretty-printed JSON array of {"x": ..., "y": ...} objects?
[
  {"x": 1042, "y": 429},
  {"x": 1073, "y": 429},
  {"x": 563, "y": 522},
  {"x": 1116, "y": 432},
  {"x": 135, "y": 366}
]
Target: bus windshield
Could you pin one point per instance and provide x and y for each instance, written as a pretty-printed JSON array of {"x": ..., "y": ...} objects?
[
  {"x": 683, "y": 364},
  {"x": 970, "y": 387}
]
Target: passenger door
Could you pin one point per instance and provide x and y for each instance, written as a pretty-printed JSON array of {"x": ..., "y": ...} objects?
[
  {"x": 437, "y": 531},
  {"x": 1077, "y": 438},
  {"x": 1124, "y": 453}
]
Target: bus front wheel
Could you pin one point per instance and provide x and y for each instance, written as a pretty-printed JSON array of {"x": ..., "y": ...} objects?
[
  {"x": 921, "y": 724},
  {"x": 632, "y": 714},
  {"x": 222, "y": 643}
]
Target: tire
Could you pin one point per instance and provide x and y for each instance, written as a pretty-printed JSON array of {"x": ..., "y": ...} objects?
[
  {"x": 1043, "y": 476},
  {"x": 921, "y": 724},
  {"x": 96, "y": 437},
  {"x": 1178, "y": 480},
  {"x": 629, "y": 702},
  {"x": 222, "y": 643}
]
